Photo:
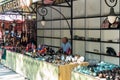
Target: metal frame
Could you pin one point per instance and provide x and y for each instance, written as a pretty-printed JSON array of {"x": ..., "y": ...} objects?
[
  {"x": 70, "y": 25},
  {"x": 114, "y": 3}
]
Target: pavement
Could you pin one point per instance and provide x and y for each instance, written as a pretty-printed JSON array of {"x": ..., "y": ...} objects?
[{"x": 7, "y": 74}]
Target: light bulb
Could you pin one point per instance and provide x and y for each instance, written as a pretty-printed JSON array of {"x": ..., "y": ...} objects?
[
  {"x": 112, "y": 19},
  {"x": 43, "y": 22}
]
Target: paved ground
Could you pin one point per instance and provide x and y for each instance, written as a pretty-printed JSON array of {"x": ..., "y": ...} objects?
[{"x": 6, "y": 74}]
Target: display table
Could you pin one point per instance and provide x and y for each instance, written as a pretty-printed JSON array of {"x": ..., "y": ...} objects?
[
  {"x": 65, "y": 71},
  {"x": 35, "y": 69},
  {"x": 80, "y": 76},
  {"x": 98, "y": 71}
]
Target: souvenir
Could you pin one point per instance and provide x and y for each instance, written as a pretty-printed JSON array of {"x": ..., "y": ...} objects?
[
  {"x": 115, "y": 24},
  {"x": 73, "y": 59},
  {"x": 105, "y": 24},
  {"x": 102, "y": 70},
  {"x": 110, "y": 51},
  {"x": 81, "y": 59},
  {"x": 62, "y": 57}
]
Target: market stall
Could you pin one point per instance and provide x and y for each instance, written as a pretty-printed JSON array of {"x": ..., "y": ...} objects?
[
  {"x": 36, "y": 69},
  {"x": 32, "y": 46}
]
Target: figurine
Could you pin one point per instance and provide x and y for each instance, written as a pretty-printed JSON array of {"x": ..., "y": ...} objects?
[
  {"x": 42, "y": 50},
  {"x": 29, "y": 47},
  {"x": 81, "y": 59}
]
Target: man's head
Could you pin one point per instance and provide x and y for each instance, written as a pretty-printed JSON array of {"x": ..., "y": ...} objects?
[{"x": 64, "y": 39}]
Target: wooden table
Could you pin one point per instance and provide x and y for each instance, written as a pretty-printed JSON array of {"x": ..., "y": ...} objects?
[{"x": 65, "y": 71}]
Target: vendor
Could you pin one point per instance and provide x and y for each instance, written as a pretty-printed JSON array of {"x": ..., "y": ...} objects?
[{"x": 66, "y": 47}]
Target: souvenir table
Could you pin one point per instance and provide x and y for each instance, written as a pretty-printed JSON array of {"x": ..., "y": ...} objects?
[
  {"x": 80, "y": 76},
  {"x": 99, "y": 71},
  {"x": 37, "y": 69}
]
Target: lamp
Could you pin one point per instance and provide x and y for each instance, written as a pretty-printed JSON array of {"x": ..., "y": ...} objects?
[
  {"x": 112, "y": 17},
  {"x": 43, "y": 21}
]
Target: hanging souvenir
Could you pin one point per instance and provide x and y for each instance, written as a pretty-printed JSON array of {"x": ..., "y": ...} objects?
[
  {"x": 116, "y": 24},
  {"x": 110, "y": 51},
  {"x": 105, "y": 24}
]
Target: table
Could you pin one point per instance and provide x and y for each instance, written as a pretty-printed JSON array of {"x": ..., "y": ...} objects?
[
  {"x": 35, "y": 69},
  {"x": 65, "y": 71},
  {"x": 81, "y": 76}
]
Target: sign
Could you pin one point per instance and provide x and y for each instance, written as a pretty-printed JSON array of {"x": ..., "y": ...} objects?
[
  {"x": 11, "y": 5},
  {"x": 15, "y": 4}
]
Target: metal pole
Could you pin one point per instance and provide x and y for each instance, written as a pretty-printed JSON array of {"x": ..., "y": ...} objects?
[
  {"x": 71, "y": 30},
  {"x": 36, "y": 24}
]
